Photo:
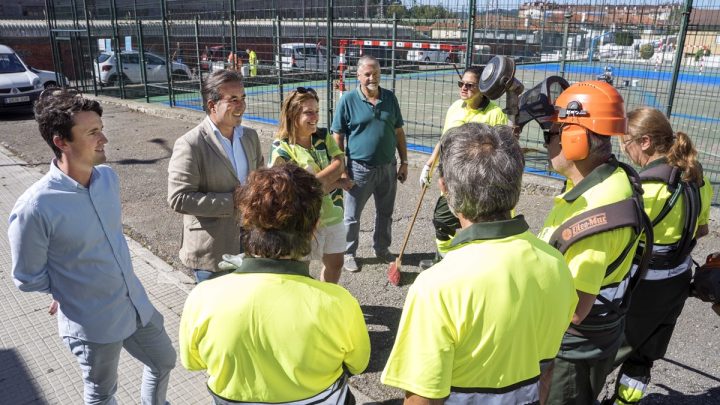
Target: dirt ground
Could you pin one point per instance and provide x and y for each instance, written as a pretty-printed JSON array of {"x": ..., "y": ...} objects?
[{"x": 141, "y": 137}]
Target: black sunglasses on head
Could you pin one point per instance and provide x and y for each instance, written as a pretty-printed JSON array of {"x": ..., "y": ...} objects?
[
  {"x": 56, "y": 91},
  {"x": 303, "y": 90}
]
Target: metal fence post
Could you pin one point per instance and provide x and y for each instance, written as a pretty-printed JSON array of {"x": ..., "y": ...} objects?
[
  {"x": 197, "y": 54},
  {"x": 168, "y": 62},
  {"x": 90, "y": 49},
  {"x": 471, "y": 34},
  {"x": 329, "y": 61},
  {"x": 233, "y": 36},
  {"x": 566, "y": 28},
  {"x": 678, "y": 55},
  {"x": 141, "y": 53},
  {"x": 76, "y": 49},
  {"x": 393, "y": 72},
  {"x": 50, "y": 19},
  {"x": 118, "y": 51},
  {"x": 278, "y": 57}
]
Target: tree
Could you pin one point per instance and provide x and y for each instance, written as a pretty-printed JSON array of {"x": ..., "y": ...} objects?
[
  {"x": 624, "y": 38},
  {"x": 647, "y": 51},
  {"x": 399, "y": 10},
  {"x": 428, "y": 12}
]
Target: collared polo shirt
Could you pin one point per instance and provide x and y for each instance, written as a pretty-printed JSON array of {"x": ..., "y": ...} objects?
[
  {"x": 234, "y": 151},
  {"x": 323, "y": 149},
  {"x": 459, "y": 114},
  {"x": 67, "y": 240},
  {"x": 485, "y": 317},
  {"x": 268, "y": 332},
  {"x": 369, "y": 129},
  {"x": 655, "y": 194},
  {"x": 589, "y": 258}
]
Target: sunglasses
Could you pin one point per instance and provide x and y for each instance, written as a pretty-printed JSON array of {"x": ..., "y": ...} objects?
[
  {"x": 555, "y": 129},
  {"x": 626, "y": 142},
  {"x": 56, "y": 91},
  {"x": 304, "y": 90},
  {"x": 469, "y": 85}
]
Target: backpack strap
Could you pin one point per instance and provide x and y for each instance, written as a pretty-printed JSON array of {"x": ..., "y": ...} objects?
[
  {"x": 601, "y": 219},
  {"x": 621, "y": 214},
  {"x": 672, "y": 177},
  {"x": 669, "y": 175}
]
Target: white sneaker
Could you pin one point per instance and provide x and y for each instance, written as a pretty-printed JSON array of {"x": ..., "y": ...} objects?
[{"x": 350, "y": 264}]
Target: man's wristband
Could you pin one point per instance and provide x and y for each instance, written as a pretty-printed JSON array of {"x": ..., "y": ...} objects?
[{"x": 403, "y": 162}]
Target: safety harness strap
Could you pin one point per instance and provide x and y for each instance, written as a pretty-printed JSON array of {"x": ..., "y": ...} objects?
[
  {"x": 671, "y": 176},
  {"x": 601, "y": 219},
  {"x": 624, "y": 213}
]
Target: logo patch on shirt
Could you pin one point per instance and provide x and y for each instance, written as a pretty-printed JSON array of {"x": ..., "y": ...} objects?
[{"x": 584, "y": 225}]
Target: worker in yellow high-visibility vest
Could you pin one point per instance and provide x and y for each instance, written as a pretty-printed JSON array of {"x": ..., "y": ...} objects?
[{"x": 252, "y": 60}]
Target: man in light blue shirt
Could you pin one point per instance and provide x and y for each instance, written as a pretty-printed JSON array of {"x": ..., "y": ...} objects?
[
  {"x": 66, "y": 240},
  {"x": 207, "y": 165}
]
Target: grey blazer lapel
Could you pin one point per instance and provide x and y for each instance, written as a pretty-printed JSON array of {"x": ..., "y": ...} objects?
[{"x": 216, "y": 146}]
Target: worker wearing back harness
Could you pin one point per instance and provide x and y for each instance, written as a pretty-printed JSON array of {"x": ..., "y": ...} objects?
[
  {"x": 677, "y": 200},
  {"x": 596, "y": 223}
]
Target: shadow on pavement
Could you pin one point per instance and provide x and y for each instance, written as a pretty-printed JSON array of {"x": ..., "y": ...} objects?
[
  {"x": 382, "y": 323},
  {"x": 709, "y": 397},
  {"x": 158, "y": 141},
  {"x": 16, "y": 384},
  {"x": 694, "y": 370}
]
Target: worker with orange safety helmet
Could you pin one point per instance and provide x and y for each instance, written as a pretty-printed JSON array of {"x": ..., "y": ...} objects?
[{"x": 597, "y": 223}]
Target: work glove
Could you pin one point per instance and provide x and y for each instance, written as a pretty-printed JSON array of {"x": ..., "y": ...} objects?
[{"x": 425, "y": 177}]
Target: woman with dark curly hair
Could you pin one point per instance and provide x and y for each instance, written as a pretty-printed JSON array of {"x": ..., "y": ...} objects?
[
  {"x": 677, "y": 199},
  {"x": 268, "y": 332}
]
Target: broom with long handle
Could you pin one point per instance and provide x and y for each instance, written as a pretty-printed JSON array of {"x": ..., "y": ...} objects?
[{"x": 393, "y": 271}]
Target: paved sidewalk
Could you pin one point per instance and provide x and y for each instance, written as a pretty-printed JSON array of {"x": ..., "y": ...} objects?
[{"x": 35, "y": 366}]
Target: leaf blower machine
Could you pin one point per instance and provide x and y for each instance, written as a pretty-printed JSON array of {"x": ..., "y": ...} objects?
[{"x": 706, "y": 283}]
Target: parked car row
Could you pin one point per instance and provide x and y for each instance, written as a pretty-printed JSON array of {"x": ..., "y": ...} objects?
[
  {"x": 21, "y": 84},
  {"x": 106, "y": 68}
]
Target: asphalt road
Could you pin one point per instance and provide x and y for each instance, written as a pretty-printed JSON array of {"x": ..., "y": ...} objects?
[{"x": 140, "y": 145}]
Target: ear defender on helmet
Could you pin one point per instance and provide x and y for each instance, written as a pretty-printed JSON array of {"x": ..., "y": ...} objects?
[
  {"x": 591, "y": 106},
  {"x": 575, "y": 142}
]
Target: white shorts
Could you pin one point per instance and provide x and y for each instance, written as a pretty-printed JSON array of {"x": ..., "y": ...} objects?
[{"x": 328, "y": 240}]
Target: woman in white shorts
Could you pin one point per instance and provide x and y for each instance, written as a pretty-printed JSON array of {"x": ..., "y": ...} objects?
[{"x": 301, "y": 142}]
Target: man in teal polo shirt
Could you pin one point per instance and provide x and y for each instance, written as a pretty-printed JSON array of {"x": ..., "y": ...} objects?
[
  {"x": 368, "y": 127},
  {"x": 484, "y": 325}
]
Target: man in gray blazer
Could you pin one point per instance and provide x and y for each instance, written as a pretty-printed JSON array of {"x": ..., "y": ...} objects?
[{"x": 208, "y": 163}]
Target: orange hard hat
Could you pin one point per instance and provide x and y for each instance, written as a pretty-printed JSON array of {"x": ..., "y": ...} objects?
[{"x": 594, "y": 105}]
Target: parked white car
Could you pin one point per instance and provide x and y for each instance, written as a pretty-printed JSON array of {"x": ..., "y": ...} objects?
[
  {"x": 303, "y": 56},
  {"x": 107, "y": 65},
  {"x": 49, "y": 78},
  {"x": 428, "y": 55},
  {"x": 19, "y": 86}
]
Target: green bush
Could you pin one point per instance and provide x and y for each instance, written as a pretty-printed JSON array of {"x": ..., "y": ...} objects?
[
  {"x": 647, "y": 51},
  {"x": 624, "y": 38}
]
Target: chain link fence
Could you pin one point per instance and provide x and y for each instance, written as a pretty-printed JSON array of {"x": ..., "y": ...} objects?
[{"x": 665, "y": 55}]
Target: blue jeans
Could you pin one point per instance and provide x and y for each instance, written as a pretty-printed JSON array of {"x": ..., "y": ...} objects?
[
  {"x": 381, "y": 183},
  {"x": 99, "y": 363},
  {"x": 204, "y": 275}
]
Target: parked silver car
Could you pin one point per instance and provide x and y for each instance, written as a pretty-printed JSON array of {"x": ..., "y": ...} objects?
[
  {"x": 49, "y": 78},
  {"x": 155, "y": 68},
  {"x": 19, "y": 86}
]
